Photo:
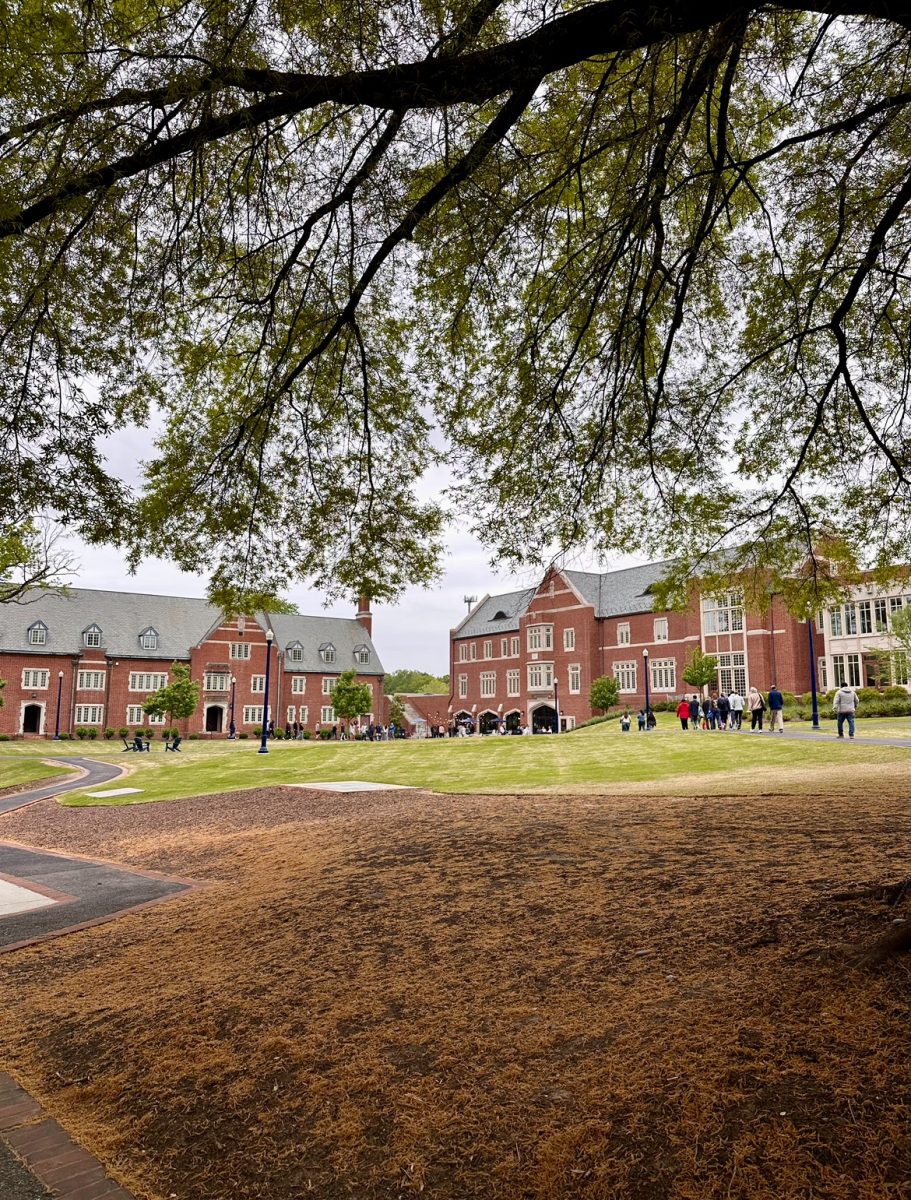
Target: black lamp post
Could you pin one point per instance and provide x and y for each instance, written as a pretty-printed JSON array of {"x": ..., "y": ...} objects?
[
  {"x": 232, "y": 730},
  {"x": 59, "y": 694},
  {"x": 556, "y": 708},
  {"x": 264, "y": 749},
  {"x": 813, "y": 674},
  {"x": 645, "y": 668}
]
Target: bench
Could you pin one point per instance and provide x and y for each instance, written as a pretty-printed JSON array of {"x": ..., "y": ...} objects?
[
  {"x": 138, "y": 744},
  {"x": 174, "y": 744}
]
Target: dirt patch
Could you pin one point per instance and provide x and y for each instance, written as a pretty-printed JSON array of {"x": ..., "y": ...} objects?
[{"x": 514, "y": 997}]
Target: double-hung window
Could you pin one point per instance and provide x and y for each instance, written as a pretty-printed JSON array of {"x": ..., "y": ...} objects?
[{"x": 664, "y": 674}]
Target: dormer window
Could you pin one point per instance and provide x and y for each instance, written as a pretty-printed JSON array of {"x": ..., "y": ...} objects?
[
  {"x": 148, "y": 639},
  {"x": 500, "y": 615},
  {"x": 295, "y": 653},
  {"x": 362, "y": 655},
  {"x": 91, "y": 636},
  {"x": 37, "y": 634},
  {"x": 327, "y": 652}
]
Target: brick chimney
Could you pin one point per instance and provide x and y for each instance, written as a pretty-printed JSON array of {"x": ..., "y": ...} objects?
[{"x": 364, "y": 615}]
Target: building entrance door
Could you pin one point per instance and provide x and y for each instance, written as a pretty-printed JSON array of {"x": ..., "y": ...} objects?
[
  {"x": 215, "y": 716},
  {"x": 544, "y": 717},
  {"x": 31, "y": 718}
]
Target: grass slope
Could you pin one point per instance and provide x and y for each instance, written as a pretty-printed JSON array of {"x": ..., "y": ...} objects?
[{"x": 19, "y": 771}]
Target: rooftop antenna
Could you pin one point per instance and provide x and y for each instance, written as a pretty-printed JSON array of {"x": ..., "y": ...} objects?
[{"x": 469, "y": 600}]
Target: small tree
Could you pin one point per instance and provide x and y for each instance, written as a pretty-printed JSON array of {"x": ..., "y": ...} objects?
[
  {"x": 604, "y": 692},
  {"x": 896, "y": 658},
  {"x": 701, "y": 670},
  {"x": 351, "y": 699},
  {"x": 397, "y": 711},
  {"x": 177, "y": 699}
]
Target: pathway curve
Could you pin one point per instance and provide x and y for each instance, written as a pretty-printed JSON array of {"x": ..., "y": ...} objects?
[{"x": 96, "y": 772}]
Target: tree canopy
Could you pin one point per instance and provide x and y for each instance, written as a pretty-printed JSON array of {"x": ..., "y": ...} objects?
[
  {"x": 409, "y": 680},
  {"x": 177, "y": 699},
  {"x": 619, "y": 264}
]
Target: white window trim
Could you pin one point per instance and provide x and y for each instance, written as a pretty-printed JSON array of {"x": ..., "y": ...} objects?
[{"x": 43, "y": 677}]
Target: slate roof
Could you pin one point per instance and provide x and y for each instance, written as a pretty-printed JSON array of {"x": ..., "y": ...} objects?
[
  {"x": 345, "y": 634},
  {"x": 481, "y": 621},
  {"x": 612, "y": 594},
  {"x": 180, "y": 622}
]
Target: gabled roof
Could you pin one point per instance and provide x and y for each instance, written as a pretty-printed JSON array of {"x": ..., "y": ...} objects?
[
  {"x": 616, "y": 593},
  {"x": 483, "y": 621},
  {"x": 180, "y": 621},
  {"x": 345, "y": 634}
]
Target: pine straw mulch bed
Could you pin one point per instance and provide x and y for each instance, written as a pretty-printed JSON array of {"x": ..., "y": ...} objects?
[{"x": 499, "y": 997}]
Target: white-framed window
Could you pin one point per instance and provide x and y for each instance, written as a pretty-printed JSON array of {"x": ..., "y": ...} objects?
[
  {"x": 302, "y": 712},
  {"x": 135, "y": 716},
  {"x": 895, "y": 605},
  {"x": 850, "y": 619},
  {"x": 835, "y": 621},
  {"x": 91, "y": 636},
  {"x": 575, "y": 678},
  {"x": 329, "y": 682},
  {"x": 540, "y": 637},
  {"x": 623, "y": 634},
  {"x": 660, "y": 629},
  {"x": 504, "y": 647},
  {"x": 240, "y": 649},
  {"x": 294, "y": 653},
  {"x": 514, "y": 647},
  {"x": 723, "y": 614},
  {"x": 148, "y": 681},
  {"x": 463, "y": 686},
  {"x": 472, "y": 651},
  {"x": 290, "y": 714},
  {"x": 901, "y": 669},
  {"x": 148, "y": 639},
  {"x": 865, "y": 616},
  {"x": 327, "y": 714},
  {"x": 37, "y": 634},
  {"x": 820, "y": 623},
  {"x": 488, "y": 684},
  {"x": 822, "y": 674},
  {"x": 327, "y": 652},
  {"x": 540, "y": 675},
  {"x": 89, "y": 714},
  {"x": 298, "y": 685},
  {"x": 732, "y": 673},
  {"x": 512, "y": 683},
  {"x": 664, "y": 674},
  {"x": 569, "y": 639},
  {"x": 253, "y": 714},
  {"x": 257, "y": 683},
  {"x": 463, "y": 652},
  {"x": 846, "y": 670},
  {"x": 880, "y": 615},
  {"x": 218, "y": 681},
  {"x": 90, "y": 681},
  {"x": 625, "y": 675},
  {"x": 362, "y": 655},
  {"x": 36, "y": 680},
  {"x": 488, "y": 650}
]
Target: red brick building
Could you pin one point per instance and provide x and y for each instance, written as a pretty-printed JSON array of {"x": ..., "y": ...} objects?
[
  {"x": 509, "y": 652},
  {"x": 90, "y": 658}
]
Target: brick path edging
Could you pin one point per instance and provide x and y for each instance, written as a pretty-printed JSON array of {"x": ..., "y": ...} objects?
[{"x": 48, "y": 1150}]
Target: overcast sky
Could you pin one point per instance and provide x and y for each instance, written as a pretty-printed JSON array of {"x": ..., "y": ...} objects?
[{"x": 414, "y": 633}]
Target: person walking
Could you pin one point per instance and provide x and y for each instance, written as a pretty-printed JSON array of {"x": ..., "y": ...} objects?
[
  {"x": 757, "y": 706},
  {"x": 845, "y": 707},
  {"x": 736, "y": 702},
  {"x": 776, "y": 710},
  {"x": 694, "y": 713},
  {"x": 683, "y": 712},
  {"x": 723, "y": 705}
]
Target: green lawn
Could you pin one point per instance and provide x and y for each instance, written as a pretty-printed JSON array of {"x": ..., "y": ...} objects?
[
  {"x": 22, "y": 770},
  {"x": 599, "y": 758}
]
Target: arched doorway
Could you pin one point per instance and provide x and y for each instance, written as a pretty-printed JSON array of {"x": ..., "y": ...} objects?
[
  {"x": 215, "y": 718},
  {"x": 543, "y": 718},
  {"x": 31, "y": 718},
  {"x": 488, "y": 721},
  {"x": 513, "y": 721}
]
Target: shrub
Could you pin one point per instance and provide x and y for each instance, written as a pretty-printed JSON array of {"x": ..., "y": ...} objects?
[
  {"x": 93, "y": 733},
  {"x": 279, "y": 735},
  {"x": 789, "y": 698},
  {"x": 4, "y": 737},
  {"x": 895, "y": 693},
  {"x": 109, "y": 733},
  {"x": 257, "y": 731},
  {"x": 307, "y": 735},
  {"x": 123, "y": 731},
  {"x": 868, "y": 693},
  {"x": 82, "y": 733},
  {"x": 194, "y": 737},
  {"x": 325, "y": 734},
  {"x": 242, "y": 736}
]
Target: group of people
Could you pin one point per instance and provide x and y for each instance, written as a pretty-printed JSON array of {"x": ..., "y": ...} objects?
[
  {"x": 719, "y": 711},
  {"x": 353, "y": 731}
]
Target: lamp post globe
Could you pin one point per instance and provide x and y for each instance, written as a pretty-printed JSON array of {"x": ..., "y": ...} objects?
[
  {"x": 59, "y": 694},
  {"x": 263, "y": 747},
  {"x": 645, "y": 669}
]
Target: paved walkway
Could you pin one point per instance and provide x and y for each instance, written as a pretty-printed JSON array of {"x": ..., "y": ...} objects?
[
  {"x": 95, "y": 773},
  {"x": 824, "y": 735}
]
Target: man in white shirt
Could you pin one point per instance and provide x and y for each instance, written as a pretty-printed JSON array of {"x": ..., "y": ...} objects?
[{"x": 736, "y": 702}]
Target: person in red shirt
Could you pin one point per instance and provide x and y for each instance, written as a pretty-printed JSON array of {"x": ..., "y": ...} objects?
[{"x": 683, "y": 712}]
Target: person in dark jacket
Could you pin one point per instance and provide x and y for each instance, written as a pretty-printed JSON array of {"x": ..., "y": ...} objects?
[
  {"x": 776, "y": 709},
  {"x": 723, "y": 705},
  {"x": 694, "y": 713}
]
